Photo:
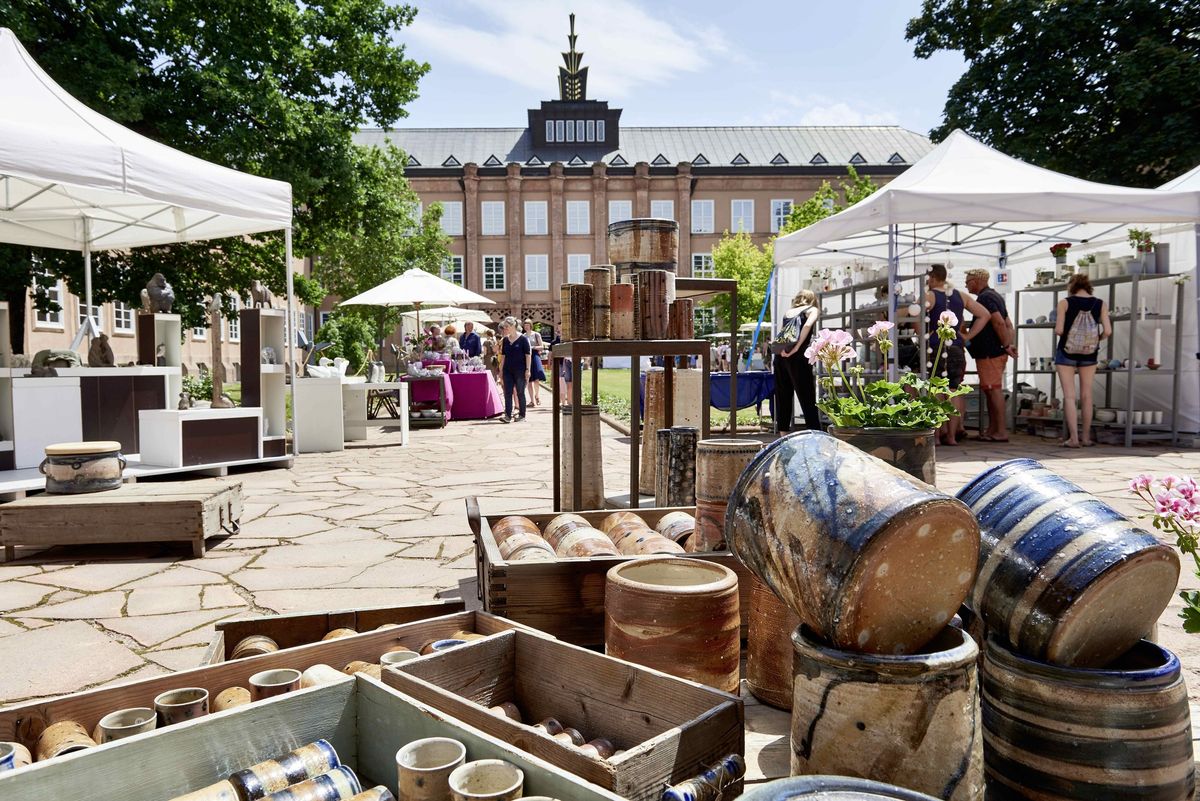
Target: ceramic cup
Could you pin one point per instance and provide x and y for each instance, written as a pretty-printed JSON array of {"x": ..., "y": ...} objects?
[
  {"x": 13, "y": 756},
  {"x": 1157, "y": 417},
  {"x": 60, "y": 738},
  {"x": 423, "y": 768},
  {"x": 1041, "y": 319},
  {"x": 487, "y": 780},
  {"x": 176, "y": 706},
  {"x": 1121, "y": 416},
  {"x": 231, "y": 697},
  {"x": 319, "y": 674},
  {"x": 268, "y": 683},
  {"x": 441, "y": 645},
  {"x": 125, "y": 723},
  {"x": 396, "y": 657},
  {"x": 1138, "y": 418}
]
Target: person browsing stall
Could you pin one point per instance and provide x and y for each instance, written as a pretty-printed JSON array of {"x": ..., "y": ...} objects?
[
  {"x": 515, "y": 361},
  {"x": 794, "y": 374},
  {"x": 1081, "y": 325},
  {"x": 990, "y": 348},
  {"x": 469, "y": 341},
  {"x": 940, "y": 297}
]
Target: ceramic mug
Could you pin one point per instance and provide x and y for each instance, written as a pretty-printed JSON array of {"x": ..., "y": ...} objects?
[
  {"x": 269, "y": 683},
  {"x": 176, "y": 706},
  {"x": 60, "y": 738},
  {"x": 487, "y": 780},
  {"x": 1138, "y": 418},
  {"x": 1121, "y": 416},
  {"x": 423, "y": 768},
  {"x": 396, "y": 657},
  {"x": 13, "y": 756},
  {"x": 125, "y": 723},
  {"x": 1158, "y": 417},
  {"x": 230, "y": 698}
]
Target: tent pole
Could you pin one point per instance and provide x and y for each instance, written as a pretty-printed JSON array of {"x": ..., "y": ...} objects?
[
  {"x": 89, "y": 328},
  {"x": 893, "y": 335},
  {"x": 289, "y": 336}
]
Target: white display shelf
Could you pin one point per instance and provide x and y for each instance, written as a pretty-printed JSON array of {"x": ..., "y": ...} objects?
[
  {"x": 44, "y": 411},
  {"x": 354, "y": 409},
  {"x": 317, "y": 404},
  {"x": 272, "y": 368},
  {"x": 162, "y": 434}
]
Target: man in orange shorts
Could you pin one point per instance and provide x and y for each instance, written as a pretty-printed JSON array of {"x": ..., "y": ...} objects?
[{"x": 991, "y": 347}]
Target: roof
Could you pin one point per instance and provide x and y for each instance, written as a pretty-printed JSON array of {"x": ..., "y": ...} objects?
[{"x": 716, "y": 146}]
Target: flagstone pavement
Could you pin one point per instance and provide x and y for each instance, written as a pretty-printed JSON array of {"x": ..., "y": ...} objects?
[{"x": 373, "y": 525}]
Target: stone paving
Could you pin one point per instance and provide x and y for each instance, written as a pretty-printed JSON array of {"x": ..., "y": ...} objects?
[{"x": 373, "y": 525}]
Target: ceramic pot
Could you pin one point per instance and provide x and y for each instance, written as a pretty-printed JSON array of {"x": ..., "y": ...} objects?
[
  {"x": 1054, "y": 732},
  {"x": 339, "y": 784},
  {"x": 337, "y": 634},
  {"x": 830, "y": 788},
  {"x": 676, "y": 615},
  {"x": 719, "y": 463},
  {"x": 584, "y": 542},
  {"x": 600, "y": 278},
  {"x": 713, "y": 784},
  {"x": 687, "y": 402},
  {"x": 623, "y": 311},
  {"x": 379, "y": 793},
  {"x": 681, "y": 319},
  {"x": 644, "y": 241},
  {"x": 917, "y": 715},
  {"x": 396, "y": 657},
  {"x": 13, "y": 756},
  {"x": 639, "y": 541},
  {"x": 272, "y": 775},
  {"x": 908, "y": 450},
  {"x": 423, "y": 768},
  {"x": 487, "y": 780},
  {"x": 270, "y": 683},
  {"x": 176, "y": 706},
  {"x": 870, "y": 558},
  {"x": 511, "y": 525},
  {"x": 63, "y": 737},
  {"x": 1063, "y": 577},
  {"x": 676, "y": 526},
  {"x": 73, "y": 468},
  {"x": 675, "y": 470},
  {"x": 623, "y": 531},
  {"x": 316, "y": 676},
  {"x": 599, "y": 748},
  {"x": 254, "y": 645},
  {"x": 231, "y": 697},
  {"x": 441, "y": 645},
  {"x": 513, "y": 546},
  {"x": 609, "y": 523},
  {"x": 589, "y": 451},
  {"x": 654, "y": 304},
  {"x": 124, "y": 723},
  {"x": 374, "y": 670},
  {"x": 578, "y": 312},
  {"x": 769, "y": 647},
  {"x": 508, "y": 710},
  {"x": 561, "y": 526}
]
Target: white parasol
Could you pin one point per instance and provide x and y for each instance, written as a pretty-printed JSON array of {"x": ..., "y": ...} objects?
[{"x": 416, "y": 287}]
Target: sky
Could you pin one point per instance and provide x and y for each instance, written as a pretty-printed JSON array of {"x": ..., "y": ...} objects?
[{"x": 672, "y": 62}]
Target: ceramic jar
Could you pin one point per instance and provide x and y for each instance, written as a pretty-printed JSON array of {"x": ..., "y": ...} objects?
[
  {"x": 63, "y": 737},
  {"x": 424, "y": 766},
  {"x": 623, "y": 311},
  {"x": 561, "y": 526},
  {"x": 719, "y": 463},
  {"x": 578, "y": 312},
  {"x": 254, "y": 645},
  {"x": 176, "y": 706},
  {"x": 584, "y": 542},
  {"x": 270, "y": 683},
  {"x": 124, "y": 723},
  {"x": 830, "y": 788},
  {"x": 654, "y": 304},
  {"x": 275, "y": 774},
  {"x": 590, "y": 454},
  {"x": 769, "y": 647},
  {"x": 339, "y": 784},
  {"x": 675, "y": 469},
  {"x": 870, "y": 558},
  {"x": 600, "y": 278},
  {"x": 73, "y": 468},
  {"x": 644, "y": 241},
  {"x": 676, "y": 615},
  {"x": 487, "y": 780},
  {"x": 676, "y": 526}
]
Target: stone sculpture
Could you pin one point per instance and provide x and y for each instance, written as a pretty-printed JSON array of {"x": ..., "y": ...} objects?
[
  {"x": 100, "y": 354},
  {"x": 185, "y": 401},
  {"x": 261, "y": 295},
  {"x": 268, "y": 355},
  {"x": 158, "y": 297}
]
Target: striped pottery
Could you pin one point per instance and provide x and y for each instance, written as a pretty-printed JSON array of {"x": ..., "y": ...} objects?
[
  {"x": 254, "y": 645},
  {"x": 512, "y": 525},
  {"x": 676, "y": 526},
  {"x": 561, "y": 525},
  {"x": 769, "y": 647},
  {"x": 675, "y": 466},
  {"x": 637, "y": 307},
  {"x": 1077, "y": 734},
  {"x": 680, "y": 321},
  {"x": 578, "y": 312},
  {"x": 652, "y": 420},
  {"x": 830, "y": 788},
  {"x": 612, "y": 520},
  {"x": 654, "y": 305},
  {"x": 600, "y": 277},
  {"x": 589, "y": 452},
  {"x": 583, "y": 542},
  {"x": 644, "y": 242},
  {"x": 525, "y": 541},
  {"x": 625, "y": 535},
  {"x": 642, "y": 541},
  {"x": 910, "y": 720},
  {"x": 870, "y": 558},
  {"x": 906, "y": 449},
  {"x": 710, "y": 528},
  {"x": 1063, "y": 577},
  {"x": 676, "y": 615},
  {"x": 622, "y": 311},
  {"x": 719, "y": 462}
]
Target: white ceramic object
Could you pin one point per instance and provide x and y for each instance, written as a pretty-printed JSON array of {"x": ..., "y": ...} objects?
[
  {"x": 487, "y": 780},
  {"x": 1158, "y": 417},
  {"x": 424, "y": 768},
  {"x": 1138, "y": 418},
  {"x": 1121, "y": 417},
  {"x": 1105, "y": 415}
]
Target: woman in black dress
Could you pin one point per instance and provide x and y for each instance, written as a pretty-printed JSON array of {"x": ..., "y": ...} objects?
[
  {"x": 793, "y": 373},
  {"x": 514, "y": 367},
  {"x": 537, "y": 374}
]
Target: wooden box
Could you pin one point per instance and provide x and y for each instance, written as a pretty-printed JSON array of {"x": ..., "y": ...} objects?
[
  {"x": 303, "y": 628},
  {"x": 565, "y": 597},
  {"x": 24, "y": 723},
  {"x": 670, "y": 729},
  {"x": 365, "y": 721}
]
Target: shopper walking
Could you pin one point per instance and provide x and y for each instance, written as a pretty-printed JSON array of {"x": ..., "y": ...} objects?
[
  {"x": 940, "y": 297},
  {"x": 537, "y": 373},
  {"x": 794, "y": 374},
  {"x": 514, "y": 366},
  {"x": 1082, "y": 324},
  {"x": 990, "y": 348}
]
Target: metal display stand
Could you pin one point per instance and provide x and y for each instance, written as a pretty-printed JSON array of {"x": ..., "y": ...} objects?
[{"x": 421, "y": 406}]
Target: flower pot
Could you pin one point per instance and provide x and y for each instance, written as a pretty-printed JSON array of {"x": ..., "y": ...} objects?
[{"x": 907, "y": 449}]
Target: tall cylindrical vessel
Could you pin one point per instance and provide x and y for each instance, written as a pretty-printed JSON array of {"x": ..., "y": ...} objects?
[
  {"x": 1063, "y": 577},
  {"x": 654, "y": 304},
  {"x": 599, "y": 277},
  {"x": 909, "y": 720},
  {"x": 870, "y": 558},
  {"x": 623, "y": 311},
  {"x": 675, "y": 473},
  {"x": 769, "y": 647},
  {"x": 592, "y": 488},
  {"x": 681, "y": 322},
  {"x": 719, "y": 462},
  {"x": 578, "y": 312},
  {"x": 653, "y": 417},
  {"x": 644, "y": 243},
  {"x": 1076, "y": 734},
  {"x": 676, "y": 615},
  {"x": 830, "y": 788}
]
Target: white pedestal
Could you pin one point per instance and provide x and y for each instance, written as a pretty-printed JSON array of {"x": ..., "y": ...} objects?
[
  {"x": 354, "y": 404},
  {"x": 317, "y": 414},
  {"x": 161, "y": 432},
  {"x": 45, "y": 411}
]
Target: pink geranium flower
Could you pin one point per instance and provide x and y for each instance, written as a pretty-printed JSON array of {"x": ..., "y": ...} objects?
[
  {"x": 880, "y": 329},
  {"x": 948, "y": 319},
  {"x": 1141, "y": 482}
]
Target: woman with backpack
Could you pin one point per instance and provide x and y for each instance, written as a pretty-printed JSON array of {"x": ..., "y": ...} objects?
[{"x": 1081, "y": 324}]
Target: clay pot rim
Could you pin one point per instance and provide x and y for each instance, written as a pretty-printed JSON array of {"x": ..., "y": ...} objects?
[
  {"x": 881, "y": 430},
  {"x": 965, "y": 652},
  {"x": 1168, "y": 665},
  {"x": 726, "y": 581},
  {"x": 792, "y": 786},
  {"x": 199, "y": 694},
  {"x": 408, "y": 747},
  {"x": 274, "y": 677},
  {"x": 456, "y": 777},
  {"x": 150, "y": 715}
]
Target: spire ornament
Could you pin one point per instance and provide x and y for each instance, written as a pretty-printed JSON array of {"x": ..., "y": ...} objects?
[{"x": 572, "y": 79}]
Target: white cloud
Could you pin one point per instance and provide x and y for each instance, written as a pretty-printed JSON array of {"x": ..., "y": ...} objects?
[
  {"x": 624, "y": 44},
  {"x": 813, "y": 109}
]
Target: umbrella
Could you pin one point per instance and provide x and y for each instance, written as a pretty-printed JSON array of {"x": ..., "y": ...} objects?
[
  {"x": 452, "y": 313},
  {"x": 416, "y": 287}
]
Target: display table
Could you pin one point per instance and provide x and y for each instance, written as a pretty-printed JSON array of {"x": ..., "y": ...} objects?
[
  {"x": 430, "y": 394},
  {"x": 177, "y": 438},
  {"x": 318, "y": 414},
  {"x": 476, "y": 396},
  {"x": 362, "y": 402}
]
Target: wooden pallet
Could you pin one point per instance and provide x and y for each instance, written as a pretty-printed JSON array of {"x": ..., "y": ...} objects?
[{"x": 170, "y": 512}]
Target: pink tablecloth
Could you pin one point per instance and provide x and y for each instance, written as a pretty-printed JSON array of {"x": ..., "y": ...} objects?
[
  {"x": 425, "y": 389},
  {"x": 476, "y": 396}
]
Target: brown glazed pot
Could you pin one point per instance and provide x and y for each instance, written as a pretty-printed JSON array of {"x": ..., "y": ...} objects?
[
  {"x": 578, "y": 312},
  {"x": 681, "y": 321},
  {"x": 515, "y": 543},
  {"x": 609, "y": 523},
  {"x": 623, "y": 311},
  {"x": 583, "y": 542},
  {"x": 719, "y": 463},
  {"x": 600, "y": 278},
  {"x": 906, "y": 449},
  {"x": 870, "y": 558},
  {"x": 646, "y": 241},
  {"x": 254, "y": 645},
  {"x": 769, "y": 651},
  {"x": 506, "y": 527},
  {"x": 589, "y": 451},
  {"x": 676, "y": 615},
  {"x": 675, "y": 466},
  {"x": 561, "y": 526},
  {"x": 654, "y": 310},
  {"x": 908, "y": 720},
  {"x": 676, "y": 526}
]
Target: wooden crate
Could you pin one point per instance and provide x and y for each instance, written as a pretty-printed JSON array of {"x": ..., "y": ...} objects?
[
  {"x": 670, "y": 729},
  {"x": 365, "y": 721},
  {"x": 303, "y": 628},
  {"x": 25, "y": 722},
  {"x": 189, "y": 511},
  {"x": 565, "y": 597}
]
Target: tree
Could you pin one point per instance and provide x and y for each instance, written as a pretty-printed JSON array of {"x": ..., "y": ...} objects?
[
  {"x": 383, "y": 237},
  {"x": 1105, "y": 91},
  {"x": 737, "y": 257},
  {"x": 824, "y": 202},
  {"x": 274, "y": 87}
]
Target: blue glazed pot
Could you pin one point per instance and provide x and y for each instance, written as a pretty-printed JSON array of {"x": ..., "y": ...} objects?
[
  {"x": 1063, "y": 577},
  {"x": 830, "y": 788}
]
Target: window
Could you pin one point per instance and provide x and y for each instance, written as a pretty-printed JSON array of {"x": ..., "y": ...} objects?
[
  {"x": 702, "y": 216},
  {"x": 535, "y": 218},
  {"x": 570, "y": 130},
  {"x": 122, "y": 318},
  {"x": 493, "y": 274},
  {"x": 599, "y": 130},
  {"x": 559, "y": 134},
  {"x": 780, "y": 209},
  {"x": 99, "y": 320},
  {"x": 324, "y": 318},
  {"x": 704, "y": 320},
  {"x": 537, "y": 272},
  {"x": 662, "y": 208},
  {"x": 742, "y": 216},
  {"x": 304, "y": 323},
  {"x": 493, "y": 217},
  {"x": 52, "y": 290},
  {"x": 580, "y": 127},
  {"x": 702, "y": 266},
  {"x": 577, "y": 217},
  {"x": 576, "y": 264},
  {"x": 235, "y": 321},
  {"x": 591, "y": 130},
  {"x": 452, "y": 270},
  {"x": 549, "y": 130},
  {"x": 199, "y": 334},
  {"x": 452, "y": 218},
  {"x": 619, "y": 210}
]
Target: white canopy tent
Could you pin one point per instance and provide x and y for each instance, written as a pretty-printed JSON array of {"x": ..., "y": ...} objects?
[{"x": 450, "y": 314}]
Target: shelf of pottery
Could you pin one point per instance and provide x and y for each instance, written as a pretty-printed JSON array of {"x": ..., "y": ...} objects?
[{"x": 1139, "y": 370}]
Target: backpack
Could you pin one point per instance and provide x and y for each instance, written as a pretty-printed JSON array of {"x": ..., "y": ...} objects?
[{"x": 1084, "y": 337}]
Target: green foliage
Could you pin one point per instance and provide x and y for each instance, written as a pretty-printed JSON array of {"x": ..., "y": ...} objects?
[
  {"x": 826, "y": 201},
  {"x": 912, "y": 402},
  {"x": 737, "y": 257},
  {"x": 351, "y": 335},
  {"x": 275, "y": 88},
  {"x": 198, "y": 387},
  {"x": 1105, "y": 91}
]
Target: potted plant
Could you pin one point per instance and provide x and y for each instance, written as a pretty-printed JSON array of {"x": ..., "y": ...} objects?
[
  {"x": 1059, "y": 251},
  {"x": 1142, "y": 243},
  {"x": 895, "y": 421},
  {"x": 1176, "y": 504}
]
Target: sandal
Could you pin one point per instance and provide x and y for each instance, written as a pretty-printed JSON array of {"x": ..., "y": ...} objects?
[{"x": 1067, "y": 444}]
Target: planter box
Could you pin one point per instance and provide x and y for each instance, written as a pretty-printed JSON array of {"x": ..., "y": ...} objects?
[
  {"x": 565, "y": 597},
  {"x": 304, "y": 628},
  {"x": 670, "y": 729},
  {"x": 365, "y": 721},
  {"x": 24, "y": 723}
]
